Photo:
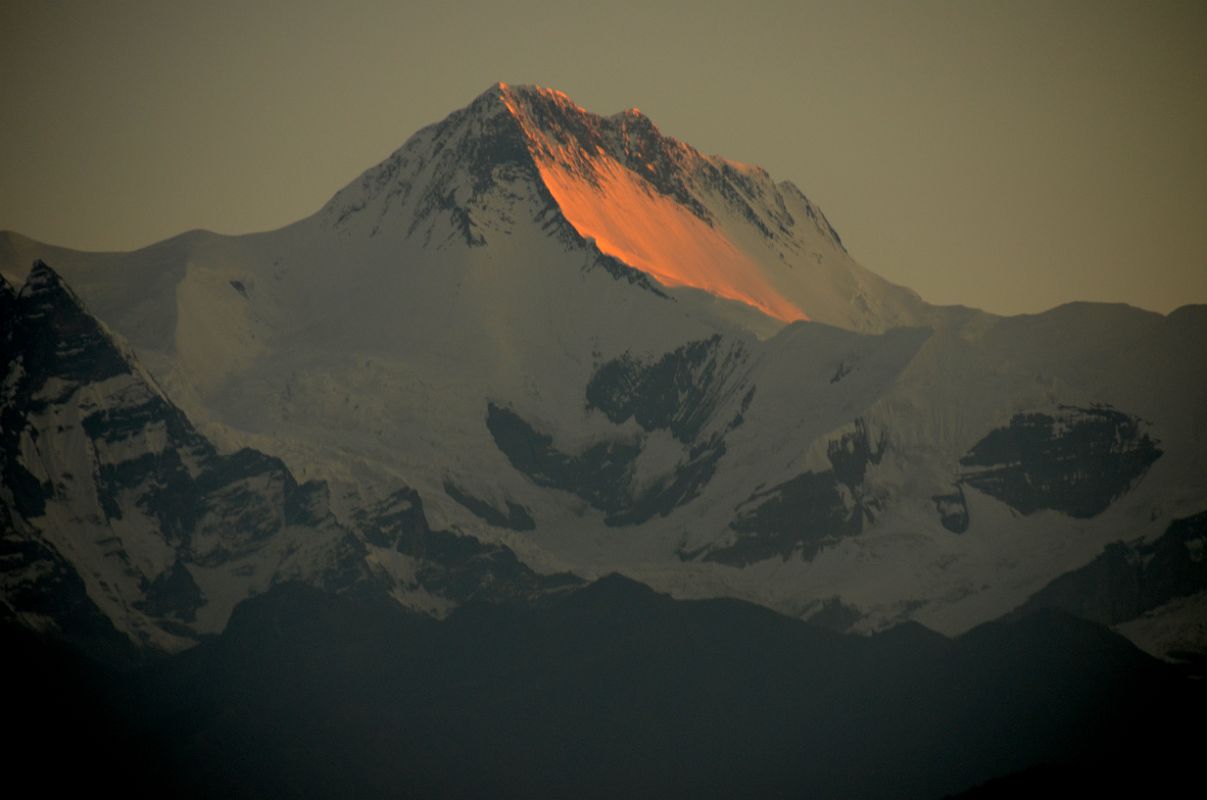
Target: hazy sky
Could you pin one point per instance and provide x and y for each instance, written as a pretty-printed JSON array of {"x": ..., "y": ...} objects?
[{"x": 1006, "y": 155}]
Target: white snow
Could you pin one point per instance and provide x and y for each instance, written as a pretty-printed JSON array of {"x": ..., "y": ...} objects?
[{"x": 364, "y": 352}]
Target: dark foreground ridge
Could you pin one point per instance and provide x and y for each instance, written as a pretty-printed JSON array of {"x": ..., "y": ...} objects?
[{"x": 609, "y": 691}]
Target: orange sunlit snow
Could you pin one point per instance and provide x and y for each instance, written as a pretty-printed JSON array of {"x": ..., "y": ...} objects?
[
  {"x": 653, "y": 233},
  {"x": 631, "y": 221}
]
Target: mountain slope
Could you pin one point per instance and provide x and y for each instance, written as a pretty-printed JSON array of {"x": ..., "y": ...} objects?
[
  {"x": 567, "y": 334},
  {"x": 119, "y": 518}
]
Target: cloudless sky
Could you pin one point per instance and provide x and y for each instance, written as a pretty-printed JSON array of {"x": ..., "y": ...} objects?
[{"x": 1005, "y": 155}]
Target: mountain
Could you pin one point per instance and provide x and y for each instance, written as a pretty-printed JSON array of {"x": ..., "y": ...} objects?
[
  {"x": 125, "y": 531},
  {"x": 611, "y": 690},
  {"x": 583, "y": 344}
]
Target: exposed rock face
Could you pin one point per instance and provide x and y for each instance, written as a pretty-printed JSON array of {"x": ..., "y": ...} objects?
[
  {"x": 812, "y": 509},
  {"x": 686, "y": 393},
  {"x": 517, "y": 517},
  {"x": 1076, "y": 461},
  {"x": 1129, "y": 579}
]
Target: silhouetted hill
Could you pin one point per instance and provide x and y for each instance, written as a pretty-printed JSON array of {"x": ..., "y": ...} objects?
[{"x": 616, "y": 690}]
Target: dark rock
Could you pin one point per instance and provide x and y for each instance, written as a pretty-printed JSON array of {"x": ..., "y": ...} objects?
[
  {"x": 680, "y": 392},
  {"x": 810, "y": 510},
  {"x": 174, "y": 594},
  {"x": 1127, "y": 580},
  {"x": 953, "y": 510},
  {"x": 517, "y": 518},
  {"x": 602, "y": 475},
  {"x": 459, "y": 567},
  {"x": 1077, "y": 461}
]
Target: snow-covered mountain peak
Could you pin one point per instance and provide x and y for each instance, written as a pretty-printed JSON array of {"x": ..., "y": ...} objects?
[
  {"x": 617, "y": 186},
  {"x": 559, "y": 130}
]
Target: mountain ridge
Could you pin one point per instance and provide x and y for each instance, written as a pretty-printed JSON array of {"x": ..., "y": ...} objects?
[
  {"x": 455, "y": 336},
  {"x": 666, "y": 698},
  {"x": 120, "y": 521}
]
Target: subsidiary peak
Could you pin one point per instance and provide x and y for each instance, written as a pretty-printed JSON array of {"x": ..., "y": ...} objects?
[{"x": 45, "y": 286}]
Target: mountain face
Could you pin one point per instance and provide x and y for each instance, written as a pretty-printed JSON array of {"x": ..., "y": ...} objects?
[
  {"x": 534, "y": 346},
  {"x": 119, "y": 518}
]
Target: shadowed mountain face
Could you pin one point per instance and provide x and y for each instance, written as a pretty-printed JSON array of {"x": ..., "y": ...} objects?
[
  {"x": 615, "y": 691},
  {"x": 1130, "y": 579},
  {"x": 125, "y": 531}
]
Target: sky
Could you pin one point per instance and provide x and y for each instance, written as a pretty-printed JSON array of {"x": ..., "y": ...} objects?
[{"x": 1006, "y": 155}]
